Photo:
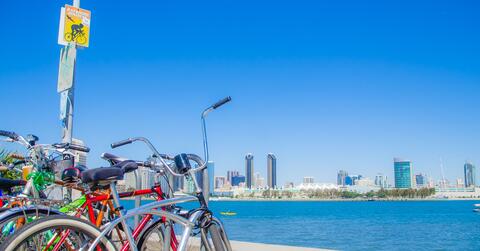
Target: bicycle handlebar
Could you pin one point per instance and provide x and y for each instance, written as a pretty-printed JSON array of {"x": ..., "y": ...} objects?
[
  {"x": 122, "y": 143},
  {"x": 79, "y": 148},
  {"x": 162, "y": 157},
  {"x": 8, "y": 134},
  {"x": 70, "y": 146},
  {"x": 221, "y": 102}
]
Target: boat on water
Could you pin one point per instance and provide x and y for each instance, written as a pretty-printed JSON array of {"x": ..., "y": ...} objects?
[
  {"x": 476, "y": 210},
  {"x": 476, "y": 205},
  {"x": 228, "y": 213}
]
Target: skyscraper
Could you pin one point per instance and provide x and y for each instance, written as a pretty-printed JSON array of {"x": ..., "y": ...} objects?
[
  {"x": 469, "y": 171},
  {"x": 420, "y": 180},
  {"x": 236, "y": 180},
  {"x": 403, "y": 173},
  {"x": 178, "y": 183},
  {"x": 249, "y": 170},
  {"x": 211, "y": 176},
  {"x": 272, "y": 170},
  {"x": 230, "y": 175},
  {"x": 381, "y": 180},
  {"x": 80, "y": 157},
  {"x": 308, "y": 180},
  {"x": 342, "y": 174},
  {"x": 220, "y": 182}
]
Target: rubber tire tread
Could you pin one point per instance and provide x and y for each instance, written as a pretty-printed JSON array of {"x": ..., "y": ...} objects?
[
  {"x": 56, "y": 220},
  {"x": 217, "y": 239}
]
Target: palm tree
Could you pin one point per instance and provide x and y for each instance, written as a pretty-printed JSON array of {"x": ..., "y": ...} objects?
[{"x": 5, "y": 159}]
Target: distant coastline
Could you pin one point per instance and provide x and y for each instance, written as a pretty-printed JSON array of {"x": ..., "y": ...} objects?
[{"x": 329, "y": 200}]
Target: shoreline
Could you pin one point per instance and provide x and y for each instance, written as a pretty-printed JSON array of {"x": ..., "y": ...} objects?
[{"x": 330, "y": 200}]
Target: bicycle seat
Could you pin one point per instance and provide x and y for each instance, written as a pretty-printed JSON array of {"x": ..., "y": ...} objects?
[
  {"x": 114, "y": 159},
  {"x": 8, "y": 183},
  {"x": 107, "y": 174}
]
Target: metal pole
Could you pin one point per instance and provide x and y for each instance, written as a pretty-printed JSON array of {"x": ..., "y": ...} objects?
[{"x": 68, "y": 124}]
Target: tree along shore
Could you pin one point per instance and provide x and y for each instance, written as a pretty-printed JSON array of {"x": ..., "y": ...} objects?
[{"x": 328, "y": 194}]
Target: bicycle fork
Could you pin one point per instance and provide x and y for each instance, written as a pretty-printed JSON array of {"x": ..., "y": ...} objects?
[{"x": 121, "y": 212}]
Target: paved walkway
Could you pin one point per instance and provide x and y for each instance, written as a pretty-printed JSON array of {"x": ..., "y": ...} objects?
[{"x": 248, "y": 246}]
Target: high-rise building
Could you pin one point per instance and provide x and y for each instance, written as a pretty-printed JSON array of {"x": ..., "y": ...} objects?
[
  {"x": 249, "y": 171},
  {"x": 80, "y": 157},
  {"x": 259, "y": 181},
  {"x": 147, "y": 176},
  {"x": 289, "y": 184},
  {"x": 342, "y": 174},
  {"x": 381, "y": 180},
  {"x": 308, "y": 180},
  {"x": 231, "y": 174},
  {"x": 469, "y": 171},
  {"x": 460, "y": 183},
  {"x": 178, "y": 183},
  {"x": 403, "y": 173},
  {"x": 220, "y": 181},
  {"x": 211, "y": 176},
  {"x": 189, "y": 186},
  {"x": 236, "y": 180},
  {"x": 354, "y": 178},
  {"x": 348, "y": 181},
  {"x": 272, "y": 170},
  {"x": 199, "y": 178},
  {"x": 420, "y": 180}
]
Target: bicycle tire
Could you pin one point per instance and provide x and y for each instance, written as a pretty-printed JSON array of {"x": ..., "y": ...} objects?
[
  {"x": 217, "y": 239},
  {"x": 68, "y": 37},
  {"x": 81, "y": 39},
  {"x": 141, "y": 243},
  {"x": 72, "y": 223},
  {"x": 17, "y": 213}
]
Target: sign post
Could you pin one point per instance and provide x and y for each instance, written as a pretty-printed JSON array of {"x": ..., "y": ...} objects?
[{"x": 73, "y": 31}]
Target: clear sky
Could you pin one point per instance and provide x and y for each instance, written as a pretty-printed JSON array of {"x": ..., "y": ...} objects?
[{"x": 325, "y": 85}]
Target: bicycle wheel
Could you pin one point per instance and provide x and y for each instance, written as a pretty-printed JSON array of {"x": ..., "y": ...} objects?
[
  {"x": 215, "y": 239},
  {"x": 60, "y": 231},
  {"x": 16, "y": 218},
  {"x": 153, "y": 238},
  {"x": 81, "y": 39},
  {"x": 68, "y": 37}
]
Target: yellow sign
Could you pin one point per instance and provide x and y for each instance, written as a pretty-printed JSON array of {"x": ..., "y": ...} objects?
[{"x": 76, "y": 26}]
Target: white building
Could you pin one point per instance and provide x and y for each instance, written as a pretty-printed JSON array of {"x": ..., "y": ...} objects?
[
  {"x": 308, "y": 180},
  {"x": 80, "y": 157},
  {"x": 315, "y": 186}
]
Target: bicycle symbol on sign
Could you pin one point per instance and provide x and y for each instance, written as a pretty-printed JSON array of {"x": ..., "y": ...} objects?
[{"x": 77, "y": 34}]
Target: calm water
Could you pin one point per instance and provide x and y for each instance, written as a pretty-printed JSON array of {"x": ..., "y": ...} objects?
[{"x": 419, "y": 225}]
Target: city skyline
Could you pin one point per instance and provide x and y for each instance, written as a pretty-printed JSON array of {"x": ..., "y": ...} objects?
[{"x": 300, "y": 86}]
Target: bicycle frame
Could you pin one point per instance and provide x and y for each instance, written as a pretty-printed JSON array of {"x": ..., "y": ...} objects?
[
  {"x": 151, "y": 209},
  {"x": 106, "y": 200}
]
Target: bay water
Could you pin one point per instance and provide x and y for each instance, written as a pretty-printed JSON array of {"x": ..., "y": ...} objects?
[{"x": 353, "y": 225}]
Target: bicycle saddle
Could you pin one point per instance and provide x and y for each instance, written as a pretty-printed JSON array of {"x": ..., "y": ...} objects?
[
  {"x": 107, "y": 174},
  {"x": 8, "y": 183},
  {"x": 113, "y": 159}
]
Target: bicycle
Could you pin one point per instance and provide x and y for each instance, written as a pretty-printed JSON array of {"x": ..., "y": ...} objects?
[
  {"x": 32, "y": 202},
  {"x": 78, "y": 37},
  {"x": 17, "y": 217},
  {"x": 201, "y": 219}
]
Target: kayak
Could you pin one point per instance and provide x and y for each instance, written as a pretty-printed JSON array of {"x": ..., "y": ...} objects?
[{"x": 228, "y": 213}]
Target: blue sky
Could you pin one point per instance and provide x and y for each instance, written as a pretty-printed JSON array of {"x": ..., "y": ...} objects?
[{"x": 325, "y": 85}]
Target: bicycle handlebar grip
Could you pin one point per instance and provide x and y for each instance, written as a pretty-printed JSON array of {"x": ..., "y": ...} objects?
[
  {"x": 8, "y": 134},
  {"x": 121, "y": 143},
  {"x": 16, "y": 156},
  {"x": 79, "y": 148},
  {"x": 221, "y": 102}
]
